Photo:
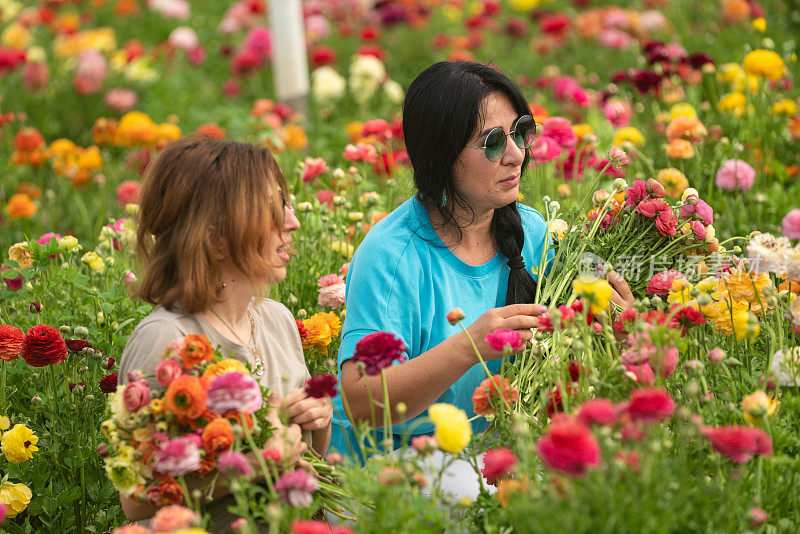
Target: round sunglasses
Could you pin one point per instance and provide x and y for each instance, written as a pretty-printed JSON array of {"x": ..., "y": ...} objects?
[{"x": 523, "y": 132}]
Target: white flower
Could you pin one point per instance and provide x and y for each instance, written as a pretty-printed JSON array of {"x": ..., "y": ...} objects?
[
  {"x": 327, "y": 85},
  {"x": 366, "y": 75},
  {"x": 786, "y": 366},
  {"x": 393, "y": 91},
  {"x": 183, "y": 38}
]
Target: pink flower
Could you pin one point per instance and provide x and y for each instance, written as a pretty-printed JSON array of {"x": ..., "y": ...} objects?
[
  {"x": 716, "y": 355},
  {"x": 179, "y": 457},
  {"x": 344, "y": 269},
  {"x": 167, "y": 371},
  {"x": 259, "y": 42},
  {"x": 136, "y": 395},
  {"x": 735, "y": 174},
  {"x": 665, "y": 361},
  {"x": 615, "y": 39},
  {"x": 128, "y": 192},
  {"x": 566, "y": 89},
  {"x": 649, "y": 405},
  {"x": 656, "y": 189},
  {"x": 618, "y": 157},
  {"x": 234, "y": 462},
  {"x": 129, "y": 279},
  {"x": 171, "y": 9},
  {"x": 424, "y": 444},
  {"x": 699, "y": 209},
  {"x": 661, "y": 283},
  {"x": 331, "y": 296},
  {"x": 652, "y": 207},
  {"x": 46, "y": 237},
  {"x": 172, "y": 518},
  {"x": 505, "y": 337},
  {"x": 545, "y": 149},
  {"x": 378, "y": 350},
  {"x": 738, "y": 443},
  {"x": 636, "y": 193},
  {"x": 618, "y": 112},
  {"x": 91, "y": 72},
  {"x": 561, "y": 130},
  {"x": 597, "y": 412},
  {"x": 131, "y": 529},
  {"x": 296, "y": 488},
  {"x": 757, "y": 516},
  {"x": 643, "y": 372},
  {"x": 497, "y": 464},
  {"x": 569, "y": 446},
  {"x": 234, "y": 392},
  {"x": 121, "y": 100},
  {"x": 666, "y": 222},
  {"x": 791, "y": 224},
  {"x": 3, "y": 511},
  {"x": 313, "y": 167},
  {"x": 319, "y": 386},
  {"x": 699, "y": 230},
  {"x": 361, "y": 152},
  {"x": 330, "y": 280},
  {"x": 35, "y": 76},
  {"x": 455, "y": 315},
  {"x": 325, "y": 196},
  {"x": 183, "y": 38}
]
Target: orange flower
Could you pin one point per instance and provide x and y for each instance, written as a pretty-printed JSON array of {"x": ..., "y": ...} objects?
[
  {"x": 30, "y": 189},
  {"x": 794, "y": 127},
  {"x": 488, "y": 394},
  {"x": 680, "y": 149},
  {"x": 20, "y": 206},
  {"x": 28, "y": 140},
  {"x": 735, "y": 10},
  {"x": 217, "y": 436},
  {"x": 196, "y": 350},
  {"x": 207, "y": 464},
  {"x": 509, "y": 486},
  {"x": 211, "y": 130},
  {"x": 683, "y": 127},
  {"x": 539, "y": 113},
  {"x": 294, "y": 137},
  {"x": 186, "y": 397},
  {"x": 104, "y": 131}
]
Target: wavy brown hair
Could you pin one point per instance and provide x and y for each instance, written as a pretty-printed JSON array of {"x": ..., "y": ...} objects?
[{"x": 197, "y": 195}]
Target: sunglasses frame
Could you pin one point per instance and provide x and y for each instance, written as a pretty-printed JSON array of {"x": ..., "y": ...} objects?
[{"x": 505, "y": 138}]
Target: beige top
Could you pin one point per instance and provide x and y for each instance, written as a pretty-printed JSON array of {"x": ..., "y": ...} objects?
[{"x": 275, "y": 334}]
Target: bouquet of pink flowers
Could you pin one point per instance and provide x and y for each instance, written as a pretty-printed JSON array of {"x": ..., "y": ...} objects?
[{"x": 206, "y": 417}]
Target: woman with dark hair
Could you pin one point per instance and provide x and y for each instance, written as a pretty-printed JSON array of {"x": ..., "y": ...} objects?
[{"x": 461, "y": 241}]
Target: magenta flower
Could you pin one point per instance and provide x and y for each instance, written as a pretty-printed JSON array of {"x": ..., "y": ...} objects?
[
  {"x": 234, "y": 392},
  {"x": 560, "y": 129},
  {"x": 296, "y": 488},
  {"x": 136, "y": 395},
  {"x": 234, "y": 462},
  {"x": 735, "y": 174},
  {"x": 545, "y": 149},
  {"x": 319, "y": 386},
  {"x": 504, "y": 337},
  {"x": 378, "y": 350},
  {"x": 312, "y": 168},
  {"x": 178, "y": 457},
  {"x": 790, "y": 226},
  {"x": 636, "y": 193}
]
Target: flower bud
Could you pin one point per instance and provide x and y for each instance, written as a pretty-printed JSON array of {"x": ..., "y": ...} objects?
[
  {"x": 35, "y": 307},
  {"x": 65, "y": 330},
  {"x": 302, "y": 313},
  {"x": 36, "y": 399},
  {"x": 716, "y": 355},
  {"x": 103, "y": 451},
  {"x": 305, "y": 207},
  {"x": 81, "y": 332},
  {"x": 338, "y": 173},
  {"x": 455, "y": 315},
  {"x": 135, "y": 376}
]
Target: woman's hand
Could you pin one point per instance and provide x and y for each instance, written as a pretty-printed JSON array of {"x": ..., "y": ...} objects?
[
  {"x": 521, "y": 317},
  {"x": 308, "y": 412},
  {"x": 622, "y": 295}
]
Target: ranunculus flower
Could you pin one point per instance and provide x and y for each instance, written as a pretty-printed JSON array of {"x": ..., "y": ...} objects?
[
  {"x": 496, "y": 391},
  {"x": 378, "y": 350},
  {"x": 453, "y": 430},
  {"x": 569, "y": 446},
  {"x": 652, "y": 207},
  {"x": 597, "y": 412},
  {"x": 167, "y": 371},
  {"x": 661, "y": 283},
  {"x": 296, "y": 488},
  {"x": 560, "y": 129},
  {"x": 739, "y": 443},
  {"x": 217, "y": 436},
  {"x": 234, "y": 462},
  {"x": 643, "y": 373},
  {"x": 735, "y": 174},
  {"x": 43, "y": 345},
  {"x": 108, "y": 384},
  {"x": 505, "y": 337},
  {"x": 649, "y": 405},
  {"x": 10, "y": 342},
  {"x": 455, "y": 315},
  {"x": 791, "y": 224},
  {"x": 178, "y": 457},
  {"x": 136, "y": 395},
  {"x": 174, "y": 518},
  {"x": 497, "y": 464},
  {"x": 234, "y": 392},
  {"x": 545, "y": 149},
  {"x": 167, "y": 492},
  {"x": 185, "y": 397},
  {"x": 128, "y": 192},
  {"x": 313, "y": 167},
  {"x": 319, "y": 386},
  {"x": 361, "y": 152}
]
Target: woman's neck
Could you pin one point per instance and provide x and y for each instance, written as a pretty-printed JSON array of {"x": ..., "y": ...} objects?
[
  {"x": 475, "y": 243},
  {"x": 237, "y": 293}
]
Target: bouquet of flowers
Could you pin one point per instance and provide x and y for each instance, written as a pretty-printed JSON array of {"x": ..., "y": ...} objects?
[{"x": 205, "y": 417}]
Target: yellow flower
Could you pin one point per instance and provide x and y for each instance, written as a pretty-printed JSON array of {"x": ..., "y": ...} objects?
[
  {"x": 582, "y": 130},
  {"x": 157, "y": 406},
  {"x": 322, "y": 327},
  {"x": 344, "y": 248},
  {"x": 165, "y": 134},
  {"x": 596, "y": 291},
  {"x": 94, "y": 261},
  {"x": 19, "y": 444},
  {"x": 294, "y": 137},
  {"x": 757, "y": 406},
  {"x": 787, "y": 107},
  {"x": 735, "y": 318},
  {"x": 19, "y": 253},
  {"x": 5, "y": 423},
  {"x": 16, "y": 36},
  {"x": 629, "y": 134},
  {"x": 673, "y": 180},
  {"x": 16, "y": 497},
  {"x": 764, "y": 63},
  {"x": 125, "y": 473},
  {"x": 682, "y": 109},
  {"x": 453, "y": 431},
  {"x": 681, "y": 291},
  {"x": 734, "y": 102},
  {"x": 524, "y": 5},
  {"x": 228, "y": 365},
  {"x": 89, "y": 159},
  {"x": 558, "y": 228},
  {"x": 70, "y": 243},
  {"x": 748, "y": 286},
  {"x": 760, "y": 25},
  {"x": 102, "y": 39},
  {"x": 136, "y": 128},
  {"x": 729, "y": 72}
]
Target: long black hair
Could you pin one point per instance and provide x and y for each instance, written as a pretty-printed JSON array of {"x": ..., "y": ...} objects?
[{"x": 441, "y": 112}]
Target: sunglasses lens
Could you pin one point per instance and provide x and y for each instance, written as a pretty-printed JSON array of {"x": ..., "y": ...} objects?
[
  {"x": 495, "y": 144},
  {"x": 525, "y": 131}
]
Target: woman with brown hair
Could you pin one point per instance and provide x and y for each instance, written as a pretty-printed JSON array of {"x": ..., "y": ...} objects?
[{"x": 214, "y": 233}]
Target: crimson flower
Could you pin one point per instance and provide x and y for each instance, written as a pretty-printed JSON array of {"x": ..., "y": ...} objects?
[
  {"x": 497, "y": 464},
  {"x": 77, "y": 345},
  {"x": 738, "y": 443},
  {"x": 42, "y": 346},
  {"x": 569, "y": 446},
  {"x": 319, "y": 386},
  {"x": 378, "y": 350},
  {"x": 597, "y": 412},
  {"x": 108, "y": 384},
  {"x": 10, "y": 342},
  {"x": 649, "y": 405},
  {"x": 301, "y": 329}
]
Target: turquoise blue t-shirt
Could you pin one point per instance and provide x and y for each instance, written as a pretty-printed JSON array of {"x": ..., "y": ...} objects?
[{"x": 404, "y": 280}]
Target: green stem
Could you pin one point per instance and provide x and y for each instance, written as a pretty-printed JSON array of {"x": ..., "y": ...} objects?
[{"x": 477, "y": 352}]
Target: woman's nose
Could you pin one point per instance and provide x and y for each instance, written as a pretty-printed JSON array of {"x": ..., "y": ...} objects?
[
  {"x": 290, "y": 220},
  {"x": 513, "y": 155}
]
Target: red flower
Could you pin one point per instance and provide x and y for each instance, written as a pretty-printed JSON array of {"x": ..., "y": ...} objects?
[
  {"x": 554, "y": 401},
  {"x": 10, "y": 342},
  {"x": 323, "y": 55},
  {"x": 649, "y": 405},
  {"x": 569, "y": 446},
  {"x": 302, "y": 526},
  {"x": 488, "y": 395},
  {"x": 624, "y": 319},
  {"x": 108, "y": 384},
  {"x": 319, "y": 386},
  {"x": 497, "y": 464},
  {"x": 687, "y": 316},
  {"x": 378, "y": 350},
  {"x": 43, "y": 345},
  {"x": 166, "y": 492},
  {"x": 738, "y": 443},
  {"x": 576, "y": 370},
  {"x": 77, "y": 345},
  {"x": 661, "y": 283},
  {"x": 368, "y": 50},
  {"x": 652, "y": 207},
  {"x": 644, "y": 373},
  {"x": 597, "y": 412},
  {"x": 301, "y": 329}
]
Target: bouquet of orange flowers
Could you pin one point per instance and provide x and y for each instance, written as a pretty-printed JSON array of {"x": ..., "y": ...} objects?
[{"x": 200, "y": 417}]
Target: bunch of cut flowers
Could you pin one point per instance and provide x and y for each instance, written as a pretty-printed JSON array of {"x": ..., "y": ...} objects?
[
  {"x": 206, "y": 422},
  {"x": 633, "y": 229}
]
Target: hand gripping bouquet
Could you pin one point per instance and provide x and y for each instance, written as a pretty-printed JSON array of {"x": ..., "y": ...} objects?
[{"x": 208, "y": 421}]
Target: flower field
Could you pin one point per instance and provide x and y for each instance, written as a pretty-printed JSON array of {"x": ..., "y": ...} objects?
[{"x": 667, "y": 148}]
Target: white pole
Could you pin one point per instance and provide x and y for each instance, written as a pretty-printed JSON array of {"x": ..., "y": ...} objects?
[{"x": 289, "y": 60}]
